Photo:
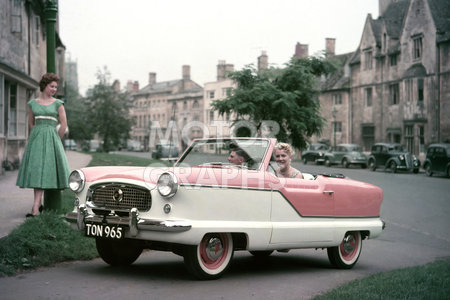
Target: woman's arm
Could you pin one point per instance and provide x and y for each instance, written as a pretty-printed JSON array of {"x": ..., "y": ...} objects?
[
  {"x": 30, "y": 119},
  {"x": 62, "y": 121}
]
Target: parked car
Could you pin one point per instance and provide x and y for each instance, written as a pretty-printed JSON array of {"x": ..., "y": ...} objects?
[
  {"x": 346, "y": 155},
  {"x": 315, "y": 153},
  {"x": 393, "y": 157},
  {"x": 438, "y": 159},
  {"x": 70, "y": 145},
  {"x": 205, "y": 208},
  {"x": 165, "y": 150}
]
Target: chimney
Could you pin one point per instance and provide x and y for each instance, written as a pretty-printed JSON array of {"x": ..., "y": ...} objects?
[
  {"x": 301, "y": 50},
  {"x": 223, "y": 69},
  {"x": 186, "y": 72},
  {"x": 151, "y": 78},
  {"x": 330, "y": 44},
  {"x": 136, "y": 86},
  {"x": 263, "y": 61}
]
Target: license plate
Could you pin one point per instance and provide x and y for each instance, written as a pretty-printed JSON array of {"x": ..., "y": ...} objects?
[{"x": 104, "y": 231}]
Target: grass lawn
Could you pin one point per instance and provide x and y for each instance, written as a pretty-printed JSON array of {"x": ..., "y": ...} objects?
[{"x": 47, "y": 239}]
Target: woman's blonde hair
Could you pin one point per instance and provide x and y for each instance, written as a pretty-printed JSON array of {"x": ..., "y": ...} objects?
[{"x": 285, "y": 147}]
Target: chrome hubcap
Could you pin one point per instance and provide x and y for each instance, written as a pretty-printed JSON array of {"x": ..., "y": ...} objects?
[
  {"x": 349, "y": 243},
  {"x": 214, "y": 248}
]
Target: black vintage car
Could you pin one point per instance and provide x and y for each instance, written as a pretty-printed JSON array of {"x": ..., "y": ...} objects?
[
  {"x": 392, "y": 157},
  {"x": 165, "y": 150},
  {"x": 315, "y": 153},
  {"x": 438, "y": 159}
]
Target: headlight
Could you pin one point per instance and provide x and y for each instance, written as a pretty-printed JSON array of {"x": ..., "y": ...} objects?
[
  {"x": 76, "y": 181},
  {"x": 167, "y": 184},
  {"x": 402, "y": 157}
]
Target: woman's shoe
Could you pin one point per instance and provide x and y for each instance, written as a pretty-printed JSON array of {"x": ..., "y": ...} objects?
[
  {"x": 41, "y": 208},
  {"x": 29, "y": 216}
]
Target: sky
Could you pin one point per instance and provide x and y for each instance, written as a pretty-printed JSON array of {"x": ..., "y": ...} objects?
[{"x": 135, "y": 37}]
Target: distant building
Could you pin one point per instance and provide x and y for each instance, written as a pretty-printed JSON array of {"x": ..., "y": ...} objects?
[
  {"x": 22, "y": 63},
  {"x": 71, "y": 73},
  {"x": 394, "y": 87},
  {"x": 218, "y": 126},
  {"x": 157, "y": 103}
]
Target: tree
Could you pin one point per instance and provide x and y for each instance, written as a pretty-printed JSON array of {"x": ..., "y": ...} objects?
[
  {"x": 109, "y": 112},
  {"x": 286, "y": 96},
  {"x": 76, "y": 110}
]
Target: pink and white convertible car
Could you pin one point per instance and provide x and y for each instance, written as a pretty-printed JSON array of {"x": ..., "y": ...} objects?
[{"x": 204, "y": 208}]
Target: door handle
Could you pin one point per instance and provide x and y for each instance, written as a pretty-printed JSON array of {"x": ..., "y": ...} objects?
[{"x": 328, "y": 192}]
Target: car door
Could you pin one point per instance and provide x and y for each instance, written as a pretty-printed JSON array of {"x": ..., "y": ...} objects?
[
  {"x": 302, "y": 211},
  {"x": 383, "y": 156},
  {"x": 439, "y": 161},
  {"x": 339, "y": 154}
]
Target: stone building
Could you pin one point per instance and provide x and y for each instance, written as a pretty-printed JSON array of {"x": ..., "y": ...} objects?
[
  {"x": 218, "y": 126},
  {"x": 158, "y": 103},
  {"x": 395, "y": 86},
  {"x": 22, "y": 63}
]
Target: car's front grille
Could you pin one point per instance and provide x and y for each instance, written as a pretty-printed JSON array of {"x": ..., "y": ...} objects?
[
  {"x": 408, "y": 160},
  {"x": 121, "y": 196}
]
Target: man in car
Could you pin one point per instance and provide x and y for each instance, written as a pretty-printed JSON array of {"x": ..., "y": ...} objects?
[{"x": 238, "y": 156}]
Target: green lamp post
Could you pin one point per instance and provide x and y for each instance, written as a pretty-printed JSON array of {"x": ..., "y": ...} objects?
[{"x": 52, "y": 198}]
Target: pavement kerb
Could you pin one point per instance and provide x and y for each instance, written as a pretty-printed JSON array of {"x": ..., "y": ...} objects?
[{"x": 15, "y": 202}]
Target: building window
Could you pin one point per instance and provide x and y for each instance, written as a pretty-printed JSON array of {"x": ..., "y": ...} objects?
[
  {"x": 12, "y": 120},
  {"x": 394, "y": 93},
  {"x": 185, "y": 105},
  {"x": 195, "y": 105},
  {"x": 408, "y": 90},
  {"x": 393, "y": 60},
  {"x": 420, "y": 91},
  {"x": 337, "y": 126},
  {"x": 16, "y": 16},
  {"x": 2, "y": 106},
  {"x": 421, "y": 139},
  {"x": 417, "y": 47},
  {"x": 368, "y": 136},
  {"x": 409, "y": 138},
  {"x": 227, "y": 116},
  {"x": 226, "y": 92},
  {"x": 337, "y": 99},
  {"x": 368, "y": 97},
  {"x": 211, "y": 94},
  {"x": 368, "y": 60},
  {"x": 211, "y": 115},
  {"x": 37, "y": 30}
]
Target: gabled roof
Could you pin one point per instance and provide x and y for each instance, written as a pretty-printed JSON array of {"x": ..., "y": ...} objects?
[
  {"x": 440, "y": 11},
  {"x": 159, "y": 87},
  {"x": 338, "y": 80},
  {"x": 394, "y": 17}
]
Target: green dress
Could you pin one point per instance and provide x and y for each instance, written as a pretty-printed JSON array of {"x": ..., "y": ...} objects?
[{"x": 44, "y": 163}]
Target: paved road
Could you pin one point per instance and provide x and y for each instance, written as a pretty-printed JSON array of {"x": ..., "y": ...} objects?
[
  {"x": 415, "y": 207},
  {"x": 15, "y": 202}
]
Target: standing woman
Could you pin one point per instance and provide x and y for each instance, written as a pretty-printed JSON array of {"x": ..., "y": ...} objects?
[{"x": 44, "y": 163}]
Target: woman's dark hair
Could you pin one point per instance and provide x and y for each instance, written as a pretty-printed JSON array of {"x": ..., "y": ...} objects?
[{"x": 46, "y": 79}]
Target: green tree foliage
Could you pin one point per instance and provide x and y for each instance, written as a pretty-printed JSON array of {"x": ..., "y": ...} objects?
[
  {"x": 287, "y": 96},
  {"x": 108, "y": 112},
  {"x": 76, "y": 111}
]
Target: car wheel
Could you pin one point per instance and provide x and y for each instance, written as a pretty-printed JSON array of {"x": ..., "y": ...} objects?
[
  {"x": 119, "y": 252},
  {"x": 211, "y": 257},
  {"x": 448, "y": 172},
  {"x": 305, "y": 161},
  {"x": 345, "y": 163},
  {"x": 327, "y": 162},
  {"x": 427, "y": 168},
  {"x": 347, "y": 253},
  {"x": 261, "y": 253},
  {"x": 393, "y": 167},
  {"x": 415, "y": 171},
  {"x": 372, "y": 165}
]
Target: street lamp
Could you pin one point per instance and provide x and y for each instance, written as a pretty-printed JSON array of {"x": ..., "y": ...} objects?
[{"x": 334, "y": 113}]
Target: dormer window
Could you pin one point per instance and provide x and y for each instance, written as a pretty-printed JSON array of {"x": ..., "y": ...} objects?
[
  {"x": 417, "y": 47},
  {"x": 368, "y": 57}
]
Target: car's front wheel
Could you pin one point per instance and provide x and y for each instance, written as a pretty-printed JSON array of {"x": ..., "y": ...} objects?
[
  {"x": 327, "y": 162},
  {"x": 345, "y": 163},
  {"x": 372, "y": 165},
  {"x": 119, "y": 252},
  {"x": 393, "y": 167},
  {"x": 211, "y": 257},
  {"x": 305, "y": 161},
  {"x": 347, "y": 253},
  {"x": 427, "y": 168}
]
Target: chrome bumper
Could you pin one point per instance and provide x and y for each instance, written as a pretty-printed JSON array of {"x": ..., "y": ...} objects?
[{"x": 132, "y": 221}]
